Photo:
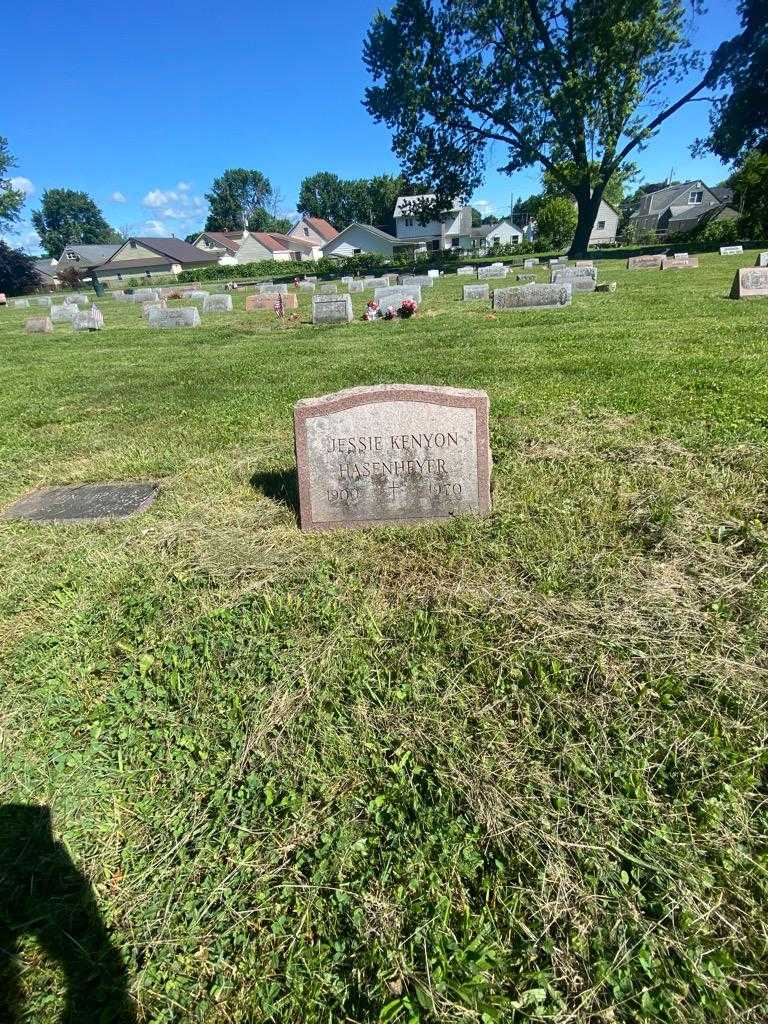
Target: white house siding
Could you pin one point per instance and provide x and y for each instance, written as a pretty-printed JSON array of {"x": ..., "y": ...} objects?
[
  {"x": 252, "y": 251},
  {"x": 609, "y": 219},
  {"x": 357, "y": 239},
  {"x": 503, "y": 234},
  {"x": 306, "y": 233}
]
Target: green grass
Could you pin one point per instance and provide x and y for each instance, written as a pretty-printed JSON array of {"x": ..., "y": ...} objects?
[{"x": 510, "y": 769}]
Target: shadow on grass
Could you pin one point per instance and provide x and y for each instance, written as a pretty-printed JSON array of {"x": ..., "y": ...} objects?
[
  {"x": 281, "y": 486},
  {"x": 43, "y": 894}
]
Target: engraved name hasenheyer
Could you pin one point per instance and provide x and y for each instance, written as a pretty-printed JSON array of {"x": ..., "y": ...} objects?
[{"x": 423, "y": 456}]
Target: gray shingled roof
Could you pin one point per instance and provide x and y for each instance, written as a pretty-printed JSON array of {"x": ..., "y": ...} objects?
[
  {"x": 87, "y": 255},
  {"x": 176, "y": 249}
]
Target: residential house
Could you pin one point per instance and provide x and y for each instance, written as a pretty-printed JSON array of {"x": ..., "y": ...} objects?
[
  {"x": 148, "y": 257},
  {"x": 316, "y": 231},
  {"x": 84, "y": 258},
  {"x": 504, "y": 232},
  {"x": 678, "y": 209},
  {"x": 446, "y": 230},
  {"x": 606, "y": 225},
  {"x": 224, "y": 243},
  {"x": 47, "y": 270},
  {"x": 360, "y": 238},
  {"x": 257, "y": 246}
]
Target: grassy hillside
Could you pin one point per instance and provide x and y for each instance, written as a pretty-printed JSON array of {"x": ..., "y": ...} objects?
[{"x": 506, "y": 769}]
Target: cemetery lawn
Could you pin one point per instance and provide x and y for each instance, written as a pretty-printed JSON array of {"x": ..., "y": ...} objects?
[{"x": 509, "y": 769}]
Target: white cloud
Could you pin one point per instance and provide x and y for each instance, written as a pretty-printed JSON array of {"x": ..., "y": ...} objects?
[
  {"x": 183, "y": 186},
  {"x": 483, "y": 206},
  {"x": 175, "y": 203},
  {"x": 174, "y": 213},
  {"x": 156, "y": 198},
  {"x": 23, "y": 236},
  {"x": 118, "y": 197},
  {"x": 155, "y": 227},
  {"x": 24, "y": 185}
]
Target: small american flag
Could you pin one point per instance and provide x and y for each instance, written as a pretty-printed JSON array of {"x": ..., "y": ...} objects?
[{"x": 279, "y": 308}]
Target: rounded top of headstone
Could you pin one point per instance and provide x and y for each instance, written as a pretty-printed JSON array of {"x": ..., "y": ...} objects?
[{"x": 394, "y": 392}]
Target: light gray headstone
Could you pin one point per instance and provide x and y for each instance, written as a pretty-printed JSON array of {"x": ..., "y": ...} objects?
[
  {"x": 492, "y": 273},
  {"x": 531, "y": 262},
  {"x": 90, "y": 320},
  {"x": 422, "y": 280},
  {"x": 147, "y": 307},
  {"x": 327, "y": 289},
  {"x": 312, "y": 280},
  {"x": 64, "y": 314},
  {"x": 217, "y": 303},
  {"x": 394, "y": 294},
  {"x": 332, "y": 309},
  {"x": 182, "y": 316},
  {"x": 309, "y": 286},
  {"x": 38, "y": 325},
  {"x": 731, "y": 250},
  {"x": 762, "y": 260},
  {"x": 77, "y": 298},
  {"x": 433, "y": 273},
  {"x": 146, "y": 295},
  {"x": 750, "y": 283},
  {"x": 583, "y": 279},
  {"x": 21, "y": 303},
  {"x": 357, "y": 286},
  {"x": 199, "y": 295},
  {"x": 43, "y": 300},
  {"x": 533, "y": 296},
  {"x": 395, "y": 453},
  {"x": 466, "y": 271},
  {"x": 475, "y": 291}
]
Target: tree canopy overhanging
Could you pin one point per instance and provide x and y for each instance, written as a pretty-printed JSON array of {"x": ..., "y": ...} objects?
[{"x": 572, "y": 85}]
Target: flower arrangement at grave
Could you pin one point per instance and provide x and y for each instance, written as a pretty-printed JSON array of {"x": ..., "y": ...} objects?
[
  {"x": 407, "y": 309},
  {"x": 372, "y": 310},
  {"x": 389, "y": 313}
]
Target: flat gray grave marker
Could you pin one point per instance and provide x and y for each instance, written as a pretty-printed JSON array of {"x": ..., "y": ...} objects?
[
  {"x": 332, "y": 309},
  {"x": 217, "y": 303},
  {"x": 327, "y": 289},
  {"x": 43, "y": 300},
  {"x": 394, "y": 294},
  {"x": 750, "y": 283},
  {"x": 691, "y": 263},
  {"x": 146, "y": 295},
  {"x": 64, "y": 314},
  {"x": 21, "y": 303},
  {"x": 466, "y": 271},
  {"x": 422, "y": 280},
  {"x": 533, "y": 296},
  {"x": 475, "y": 291},
  {"x": 167, "y": 319},
  {"x": 647, "y": 262},
  {"x": 309, "y": 286},
  {"x": 491, "y": 273},
  {"x": 38, "y": 325},
  {"x": 392, "y": 454},
  {"x": 84, "y": 503},
  {"x": 731, "y": 250}
]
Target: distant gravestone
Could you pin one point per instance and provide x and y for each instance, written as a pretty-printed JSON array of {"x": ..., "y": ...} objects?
[
  {"x": 422, "y": 280},
  {"x": 691, "y": 263},
  {"x": 217, "y": 303},
  {"x": 581, "y": 279},
  {"x": 309, "y": 286},
  {"x": 84, "y": 503},
  {"x": 356, "y": 286},
  {"x": 21, "y": 303},
  {"x": 475, "y": 291},
  {"x": 392, "y": 454},
  {"x": 332, "y": 309},
  {"x": 525, "y": 278},
  {"x": 312, "y": 280},
  {"x": 490, "y": 273},
  {"x": 78, "y": 298},
  {"x": 197, "y": 295},
  {"x": 762, "y": 260},
  {"x": 119, "y": 295},
  {"x": 585, "y": 263},
  {"x": 532, "y": 262},
  {"x": 64, "y": 314},
  {"x": 466, "y": 271},
  {"x": 267, "y": 300},
  {"x": 38, "y": 325},
  {"x": 433, "y": 273},
  {"x": 377, "y": 282},
  {"x": 43, "y": 300},
  {"x": 90, "y": 320},
  {"x": 750, "y": 283},
  {"x": 328, "y": 289},
  {"x": 645, "y": 262},
  {"x": 146, "y": 295},
  {"x": 147, "y": 307},
  {"x": 731, "y": 250},
  {"x": 394, "y": 294},
  {"x": 680, "y": 256},
  {"x": 533, "y": 296},
  {"x": 168, "y": 319}
]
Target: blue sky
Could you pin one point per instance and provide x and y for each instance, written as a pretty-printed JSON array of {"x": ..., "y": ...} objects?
[{"x": 141, "y": 105}]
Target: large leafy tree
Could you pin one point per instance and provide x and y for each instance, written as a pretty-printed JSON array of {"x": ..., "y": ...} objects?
[
  {"x": 739, "y": 120},
  {"x": 66, "y": 217},
  {"x": 556, "y": 222},
  {"x": 615, "y": 189},
  {"x": 234, "y": 199},
  {"x": 11, "y": 199},
  {"x": 342, "y": 202},
  {"x": 572, "y": 85},
  {"x": 750, "y": 194},
  {"x": 18, "y": 274}
]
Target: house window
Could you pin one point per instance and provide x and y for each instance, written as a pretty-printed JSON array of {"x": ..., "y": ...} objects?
[
  {"x": 515, "y": 240},
  {"x": 454, "y": 243},
  {"x": 306, "y": 232},
  {"x": 147, "y": 273},
  {"x": 695, "y": 197},
  {"x": 601, "y": 225},
  {"x": 496, "y": 239},
  {"x": 71, "y": 255},
  {"x": 357, "y": 251},
  {"x": 409, "y": 222}
]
